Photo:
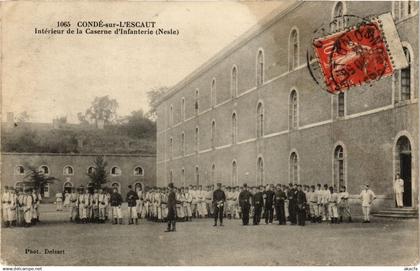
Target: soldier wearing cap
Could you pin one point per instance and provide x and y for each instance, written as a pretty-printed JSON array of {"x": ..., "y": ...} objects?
[
  {"x": 131, "y": 199},
  {"x": 84, "y": 201},
  {"x": 19, "y": 207},
  {"x": 280, "y": 197},
  {"x": 27, "y": 207},
  {"x": 300, "y": 206},
  {"x": 219, "y": 199},
  {"x": 74, "y": 208},
  {"x": 257, "y": 202},
  {"x": 5, "y": 203},
  {"x": 171, "y": 205},
  {"x": 12, "y": 207},
  {"x": 36, "y": 195},
  {"x": 245, "y": 202},
  {"x": 116, "y": 201}
]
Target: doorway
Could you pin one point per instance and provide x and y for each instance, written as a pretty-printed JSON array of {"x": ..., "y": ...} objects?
[{"x": 404, "y": 160}]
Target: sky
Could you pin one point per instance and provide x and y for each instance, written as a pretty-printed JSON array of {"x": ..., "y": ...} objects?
[{"x": 51, "y": 76}]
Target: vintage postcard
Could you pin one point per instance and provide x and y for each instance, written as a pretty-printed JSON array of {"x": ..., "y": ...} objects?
[{"x": 210, "y": 133}]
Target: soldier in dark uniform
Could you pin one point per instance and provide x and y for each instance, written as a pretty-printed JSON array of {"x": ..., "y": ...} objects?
[
  {"x": 171, "y": 205},
  {"x": 245, "y": 203},
  {"x": 268, "y": 204},
  {"x": 116, "y": 201},
  {"x": 301, "y": 206},
  {"x": 131, "y": 199},
  {"x": 291, "y": 196},
  {"x": 257, "y": 202},
  {"x": 219, "y": 199},
  {"x": 280, "y": 196}
]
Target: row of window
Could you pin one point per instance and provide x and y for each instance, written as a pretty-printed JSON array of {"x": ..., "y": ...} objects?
[
  {"x": 400, "y": 10},
  {"x": 338, "y": 170},
  {"x": 69, "y": 170}
]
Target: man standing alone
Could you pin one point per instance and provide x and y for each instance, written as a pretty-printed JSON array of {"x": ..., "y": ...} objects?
[
  {"x": 367, "y": 196},
  {"x": 399, "y": 190},
  {"x": 219, "y": 199},
  {"x": 171, "y": 205}
]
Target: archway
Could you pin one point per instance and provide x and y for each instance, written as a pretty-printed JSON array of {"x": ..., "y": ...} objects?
[{"x": 403, "y": 165}]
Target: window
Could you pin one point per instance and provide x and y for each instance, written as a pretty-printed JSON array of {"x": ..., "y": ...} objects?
[
  {"x": 213, "y": 133},
  {"x": 47, "y": 190},
  {"x": 183, "y": 109},
  {"x": 293, "y": 50},
  {"x": 213, "y": 173},
  {"x": 171, "y": 176},
  {"x": 115, "y": 171},
  {"x": 19, "y": 170},
  {"x": 91, "y": 170},
  {"x": 234, "y": 173},
  {"x": 339, "y": 166},
  {"x": 68, "y": 170},
  {"x": 406, "y": 78},
  {"x": 67, "y": 187},
  {"x": 341, "y": 104},
  {"x": 293, "y": 168},
  {"x": 197, "y": 176},
  {"x": 260, "y": 120},
  {"x": 171, "y": 115},
  {"x": 293, "y": 110},
  {"x": 171, "y": 147},
  {"x": 183, "y": 176},
  {"x": 234, "y": 128},
  {"x": 234, "y": 82},
  {"x": 116, "y": 185},
  {"x": 138, "y": 171},
  {"x": 338, "y": 21},
  {"x": 260, "y": 68},
  {"x": 403, "y": 9},
  {"x": 213, "y": 92},
  {"x": 260, "y": 171},
  {"x": 196, "y": 139},
  {"x": 44, "y": 170},
  {"x": 196, "y": 102},
  {"x": 183, "y": 143}
]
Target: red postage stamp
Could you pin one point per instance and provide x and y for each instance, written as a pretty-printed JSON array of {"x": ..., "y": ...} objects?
[{"x": 353, "y": 57}]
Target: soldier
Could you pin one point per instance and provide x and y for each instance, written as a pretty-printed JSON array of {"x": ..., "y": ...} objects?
[
  {"x": 300, "y": 204},
  {"x": 27, "y": 207},
  {"x": 12, "y": 207},
  {"x": 268, "y": 204},
  {"x": 59, "y": 201},
  {"x": 187, "y": 204},
  {"x": 332, "y": 205},
  {"x": 202, "y": 202},
  {"x": 313, "y": 204},
  {"x": 102, "y": 204},
  {"x": 95, "y": 206},
  {"x": 237, "y": 210},
  {"x": 219, "y": 199},
  {"x": 291, "y": 196},
  {"x": 399, "y": 191},
  {"x": 19, "y": 208},
  {"x": 171, "y": 204},
  {"x": 74, "y": 208},
  {"x": 139, "y": 203},
  {"x": 367, "y": 197},
  {"x": 158, "y": 207},
  {"x": 5, "y": 200},
  {"x": 325, "y": 198},
  {"x": 318, "y": 211},
  {"x": 36, "y": 195},
  {"x": 84, "y": 201},
  {"x": 257, "y": 203},
  {"x": 209, "y": 201},
  {"x": 244, "y": 201},
  {"x": 280, "y": 196},
  {"x": 131, "y": 199},
  {"x": 343, "y": 204},
  {"x": 116, "y": 201}
]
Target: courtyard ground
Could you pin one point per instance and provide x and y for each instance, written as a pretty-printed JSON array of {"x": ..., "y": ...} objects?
[{"x": 382, "y": 242}]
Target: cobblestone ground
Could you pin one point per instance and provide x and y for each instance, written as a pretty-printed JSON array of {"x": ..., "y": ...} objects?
[{"x": 382, "y": 242}]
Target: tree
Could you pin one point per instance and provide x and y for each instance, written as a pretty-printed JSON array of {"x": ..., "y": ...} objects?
[
  {"x": 137, "y": 125},
  {"x": 102, "y": 108},
  {"x": 22, "y": 117},
  {"x": 99, "y": 176},
  {"x": 153, "y": 96},
  {"x": 38, "y": 179}
]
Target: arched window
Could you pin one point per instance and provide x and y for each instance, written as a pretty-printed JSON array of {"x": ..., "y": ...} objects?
[
  {"x": 171, "y": 147},
  {"x": 116, "y": 185},
  {"x": 171, "y": 115},
  {"x": 341, "y": 101},
  {"x": 234, "y": 82},
  {"x": 260, "y": 68},
  {"x": 293, "y": 50},
  {"x": 213, "y": 133},
  {"x": 234, "y": 173},
  {"x": 183, "y": 108},
  {"x": 196, "y": 105},
  {"x": 213, "y": 92},
  {"x": 19, "y": 170},
  {"x": 138, "y": 171},
  {"x": 260, "y": 120},
  {"x": 44, "y": 170},
  {"x": 338, "y": 21},
  {"x": 339, "y": 166},
  {"x": 234, "y": 128},
  {"x": 68, "y": 170},
  {"x": 91, "y": 170},
  {"x": 197, "y": 176},
  {"x": 183, "y": 143},
  {"x": 213, "y": 173},
  {"x": 293, "y": 110},
  {"x": 67, "y": 187},
  {"x": 404, "y": 164},
  {"x": 405, "y": 86},
  {"x": 115, "y": 171},
  {"x": 260, "y": 171},
  {"x": 196, "y": 139},
  {"x": 293, "y": 168}
]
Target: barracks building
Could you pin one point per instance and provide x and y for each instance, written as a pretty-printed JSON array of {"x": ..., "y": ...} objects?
[{"x": 253, "y": 114}]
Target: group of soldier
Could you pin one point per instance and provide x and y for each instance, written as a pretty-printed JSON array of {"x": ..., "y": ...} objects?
[{"x": 20, "y": 207}]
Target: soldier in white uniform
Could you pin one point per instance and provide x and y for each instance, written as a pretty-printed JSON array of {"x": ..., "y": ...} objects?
[
  {"x": 19, "y": 208},
  {"x": 332, "y": 205},
  {"x": 36, "y": 196},
  {"x": 102, "y": 204},
  {"x": 5, "y": 204},
  {"x": 139, "y": 203},
  {"x": 325, "y": 196},
  {"x": 209, "y": 201},
  {"x": 95, "y": 206},
  {"x": 367, "y": 197},
  {"x": 12, "y": 208},
  {"x": 74, "y": 208},
  {"x": 202, "y": 202},
  {"x": 27, "y": 207},
  {"x": 313, "y": 204},
  {"x": 84, "y": 203},
  {"x": 343, "y": 204},
  {"x": 59, "y": 201},
  {"x": 194, "y": 205},
  {"x": 187, "y": 204},
  {"x": 399, "y": 190}
]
